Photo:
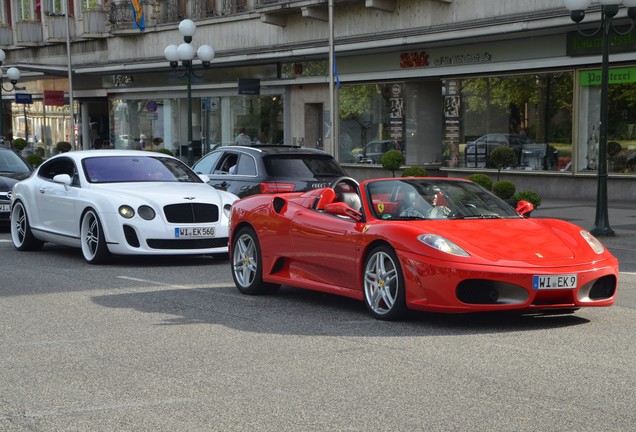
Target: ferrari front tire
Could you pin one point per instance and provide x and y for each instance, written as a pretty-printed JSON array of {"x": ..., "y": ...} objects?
[
  {"x": 94, "y": 246},
  {"x": 384, "y": 292},
  {"x": 247, "y": 264},
  {"x": 21, "y": 234}
]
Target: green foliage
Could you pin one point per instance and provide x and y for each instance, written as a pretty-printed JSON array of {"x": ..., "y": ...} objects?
[
  {"x": 19, "y": 144},
  {"x": 531, "y": 196},
  {"x": 392, "y": 160},
  {"x": 165, "y": 151},
  {"x": 482, "y": 180},
  {"x": 63, "y": 146},
  {"x": 502, "y": 157},
  {"x": 504, "y": 189},
  {"x": 414, "y": 172},
  {"x": 34, "y": 159}
]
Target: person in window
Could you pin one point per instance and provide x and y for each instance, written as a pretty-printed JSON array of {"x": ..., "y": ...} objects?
[{"x": 242, "y": 138}]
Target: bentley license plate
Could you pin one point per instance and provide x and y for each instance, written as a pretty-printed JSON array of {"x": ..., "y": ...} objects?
[
  {"x": 564, "y": 281},
  {"x": 193, "y": 232}
]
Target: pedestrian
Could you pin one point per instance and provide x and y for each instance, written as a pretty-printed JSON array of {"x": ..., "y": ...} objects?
[{"x": 242, "y": 138}]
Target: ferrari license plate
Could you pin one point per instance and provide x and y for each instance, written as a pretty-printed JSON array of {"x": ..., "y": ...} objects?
[
  {"x": 564, "y": 281},
  {"x": 4, "y": 208},
  {"x": 193, "y": 232}
]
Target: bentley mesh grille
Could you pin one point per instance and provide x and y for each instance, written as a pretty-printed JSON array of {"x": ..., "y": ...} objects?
[
  {"x": 175, "y": 244},
  {"x": 191, "y": 213}
]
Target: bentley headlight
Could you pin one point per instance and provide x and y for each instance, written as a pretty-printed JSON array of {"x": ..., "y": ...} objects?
[
  {"x": 227, "y": 209},
  {"x": 126, "y": 211},
  {"x": 146, "y": 212},
  {"x": 442, "y": 244},
  {"x": 593, "y": 242}
]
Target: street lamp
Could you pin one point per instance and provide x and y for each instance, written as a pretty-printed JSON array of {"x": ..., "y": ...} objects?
[
  {"x": 185, "y": 53},
  {"x": 13, "y": 74},
  {"x": 609, "y": 9}
]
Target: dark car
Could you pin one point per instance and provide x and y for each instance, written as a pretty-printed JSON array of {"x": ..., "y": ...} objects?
[
  {"x": 250, "y": 170},
  {"x": 12, "y": 169},
  {"x": 477, "y": 151},
  {"x": 373, "y": 151}
]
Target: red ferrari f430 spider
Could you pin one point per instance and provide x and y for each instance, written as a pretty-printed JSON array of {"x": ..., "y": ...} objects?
[{"x": 421, "y": 243}]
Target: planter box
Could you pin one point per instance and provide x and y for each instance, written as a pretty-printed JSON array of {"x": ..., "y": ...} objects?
[
  {"x": 56, "y": 26},
  {"x": 29, "y": 33}
]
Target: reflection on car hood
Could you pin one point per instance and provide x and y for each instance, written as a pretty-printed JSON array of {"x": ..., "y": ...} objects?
[
  {"x": 511, "y": 239},
  {"x": 160, "y": 192},
  {"x": 7, "y": 180}
]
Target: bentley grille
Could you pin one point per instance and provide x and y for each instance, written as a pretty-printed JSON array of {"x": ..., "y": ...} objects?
[{"x": 191, "y": 213}]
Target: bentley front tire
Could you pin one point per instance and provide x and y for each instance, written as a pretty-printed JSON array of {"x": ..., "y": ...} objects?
[
  {"x": 21, "y": 234},
  {"x": 384, "y": 292},
  {"x": 94, "y": 246},
  {"x": 247, "y": 264}
]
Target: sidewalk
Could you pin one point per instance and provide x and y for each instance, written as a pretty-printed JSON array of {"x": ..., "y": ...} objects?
[{"x": 621, "y": 217}]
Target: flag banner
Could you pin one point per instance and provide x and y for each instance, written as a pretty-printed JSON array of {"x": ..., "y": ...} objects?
[
  {"x": 335, "y": 71},
  {"x": 139, "y": 21}
]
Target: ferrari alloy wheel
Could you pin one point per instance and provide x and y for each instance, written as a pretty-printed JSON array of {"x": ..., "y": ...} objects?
[
  {"x": 384, "y": 292},
  {"x": 21, "y": 234},
  {"x": 94, "y": 246},
  {"x": 247, "y": 265}
]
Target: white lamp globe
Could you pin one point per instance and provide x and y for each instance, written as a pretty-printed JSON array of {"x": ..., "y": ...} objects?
[
  {"x": 2, "y": 56},
  {"x": 185, "y": 51},
  {"x": 14, "y": 73},
  {"x": 574, "y": 5},
  {"x": 187, "y": 27},
  {"x": 171, "y": 53},
  {"x": 205, "y": 53}
]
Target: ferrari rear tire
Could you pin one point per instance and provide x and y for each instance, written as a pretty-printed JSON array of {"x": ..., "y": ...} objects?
[
  {"x": 94, "y": 246},
  {"x": 384, "y": 291},
  {"x": 21, "y": 234},
  {"x": 247, "y": 264}
]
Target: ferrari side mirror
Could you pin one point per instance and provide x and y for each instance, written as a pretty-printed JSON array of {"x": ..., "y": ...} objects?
[
  {"x": 342, "y": 209},
  {"x": 524, "y": 208}
]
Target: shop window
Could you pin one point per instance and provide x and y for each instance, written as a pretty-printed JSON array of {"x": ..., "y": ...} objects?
[
  {"x": 530, "y": 113},
  {"x": 621, "y": 125}
]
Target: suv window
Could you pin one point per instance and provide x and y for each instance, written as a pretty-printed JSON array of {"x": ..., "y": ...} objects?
[
  {"x": 301, "y": 166},
  {"x": 246, "y": 165}
]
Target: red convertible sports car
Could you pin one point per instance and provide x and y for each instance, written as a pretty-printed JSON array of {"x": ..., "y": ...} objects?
[{"x": 422, "y": 243}]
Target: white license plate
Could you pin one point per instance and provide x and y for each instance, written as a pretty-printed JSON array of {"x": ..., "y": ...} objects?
[
  {"x": 193, "y": 232},
  {"x": 564, "y": 281},
  {"x": 4, "y": 208}
]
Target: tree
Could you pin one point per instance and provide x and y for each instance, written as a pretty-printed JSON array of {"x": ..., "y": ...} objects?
[{"x": 392, "y": 160}]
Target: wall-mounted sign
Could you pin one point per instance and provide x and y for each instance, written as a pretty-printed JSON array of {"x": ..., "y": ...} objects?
[
  {"x": 249, "y": 86},
  {"x": 24, "y": 98},
  {"x": 616, "y": 76},
  {"x": 413, "y": 59},
  {"x": 54, "y": 98},
  {"x": 462, "y": 59}
]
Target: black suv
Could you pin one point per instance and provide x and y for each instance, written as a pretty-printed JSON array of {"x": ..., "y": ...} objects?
[
  {"x": 244, "y": 170},
  {"x": 12, "y": 169}
]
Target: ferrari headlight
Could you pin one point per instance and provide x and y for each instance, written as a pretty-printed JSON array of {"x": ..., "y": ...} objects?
[
  {"x": 593, "y": 242},
  {"x": 126, "y": 211},
  {"x": 146, "y": 212},
  {"x": 442, "y": 244}
]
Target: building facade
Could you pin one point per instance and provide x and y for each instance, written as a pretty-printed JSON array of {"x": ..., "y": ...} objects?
[{"x": 444, "y": 81}]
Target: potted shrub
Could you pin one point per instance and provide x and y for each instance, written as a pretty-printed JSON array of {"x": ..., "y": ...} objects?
[
  {"x": 504, "y": 189},
  {"x": 501, "y": 157},
  {"x": 157, "y": 141},
  {"x": 392, "y": 160},
  {"x": 34, "y": 159},
  {"x": 414, "y": 172},
  {"x": 482, "y": 180},
  {"x": 19, "y": 144},
  {"x": 63, "y": 147}
]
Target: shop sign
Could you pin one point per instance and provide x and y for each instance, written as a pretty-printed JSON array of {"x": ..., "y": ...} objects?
[
  {"x": 54, "y": 98},
  {"x": 463, "y": 59},
  {"x": 578, "y": 45},
  {"x": 24, "y": 98},
  {"x": 616, "y": 76},
  {"x": 413, "y": 59}
]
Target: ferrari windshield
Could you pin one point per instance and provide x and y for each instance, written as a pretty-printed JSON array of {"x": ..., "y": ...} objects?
[
  {"x": 117, "y": 169},
  {"x": 424, "y": 198}
]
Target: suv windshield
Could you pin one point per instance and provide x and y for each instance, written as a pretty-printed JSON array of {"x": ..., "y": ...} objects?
[
  {"x": 11, "y": 163},
  {"x": 302, "y": 166}
]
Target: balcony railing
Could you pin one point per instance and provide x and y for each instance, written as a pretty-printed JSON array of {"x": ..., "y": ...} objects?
[
  {"x": 56, "y": 26},
  {"x": 6, "y": 35},
  {"x": 94, "y": 22},
  {"x": 28, "y": 33}
]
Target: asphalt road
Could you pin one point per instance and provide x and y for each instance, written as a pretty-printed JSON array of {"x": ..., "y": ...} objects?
[{"x": 168, "y": 344}]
